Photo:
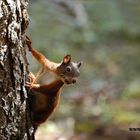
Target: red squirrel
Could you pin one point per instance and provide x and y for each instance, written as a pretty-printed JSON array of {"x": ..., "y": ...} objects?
[{"x": 45, "y": 98}]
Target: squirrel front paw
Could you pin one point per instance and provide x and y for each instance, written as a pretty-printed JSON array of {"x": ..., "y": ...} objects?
[{"x": 32, "y": 85}]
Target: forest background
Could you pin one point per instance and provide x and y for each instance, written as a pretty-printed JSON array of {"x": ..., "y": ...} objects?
[{"x": 105, "y": 102}]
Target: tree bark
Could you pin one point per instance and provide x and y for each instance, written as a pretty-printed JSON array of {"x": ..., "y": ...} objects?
[{"x": 15, "y": 122}]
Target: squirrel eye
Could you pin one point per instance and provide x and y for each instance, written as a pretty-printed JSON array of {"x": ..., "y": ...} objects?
[{"x": 68, "y": 69}]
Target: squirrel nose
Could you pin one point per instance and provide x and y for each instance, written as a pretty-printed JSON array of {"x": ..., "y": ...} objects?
[{"x": 74, "y": 81}]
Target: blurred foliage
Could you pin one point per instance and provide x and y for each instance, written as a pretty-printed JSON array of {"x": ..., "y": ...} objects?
[{"x": 104, "y": 34}]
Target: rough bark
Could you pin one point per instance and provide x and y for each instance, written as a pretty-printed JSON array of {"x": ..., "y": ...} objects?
[{"x": 15, "y": 123}]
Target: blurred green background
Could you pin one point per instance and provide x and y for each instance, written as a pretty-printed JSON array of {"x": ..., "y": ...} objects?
[{"x": 105, "y": 34}]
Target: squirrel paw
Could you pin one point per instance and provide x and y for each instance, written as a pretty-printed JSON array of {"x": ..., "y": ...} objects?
[
  {"x": 28, "y": 42},
  {"x": 32, "y": 85},
  {"x": 32, "y": 78}
]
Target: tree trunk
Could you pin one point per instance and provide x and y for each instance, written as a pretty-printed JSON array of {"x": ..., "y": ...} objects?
[{"x": 15, "y": 123}]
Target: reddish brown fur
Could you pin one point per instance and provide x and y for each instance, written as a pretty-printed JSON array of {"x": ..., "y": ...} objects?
[{"x": 44, "y": 101}]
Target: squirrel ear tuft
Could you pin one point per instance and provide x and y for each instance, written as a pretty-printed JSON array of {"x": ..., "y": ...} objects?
[
  {"x": 79, "y": 64},
  {"x": 67, "y": 59}
]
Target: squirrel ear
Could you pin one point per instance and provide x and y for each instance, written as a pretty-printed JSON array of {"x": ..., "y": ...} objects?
[
  {"x": 79, "y": 64},
  {"x": 67, "y": 59}
]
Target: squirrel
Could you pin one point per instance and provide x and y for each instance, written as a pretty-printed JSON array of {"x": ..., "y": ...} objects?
[{"x": 45, "y": 98}]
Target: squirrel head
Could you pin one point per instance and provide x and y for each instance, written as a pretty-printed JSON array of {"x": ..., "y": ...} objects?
[{"x": 68, "y": 71}]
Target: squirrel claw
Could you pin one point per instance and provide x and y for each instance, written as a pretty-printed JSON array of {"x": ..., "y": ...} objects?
[
  {"x": 29, "y": 84},
  {"x": 28, "y": 42},
  {"x": 28, "y": 39}
]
